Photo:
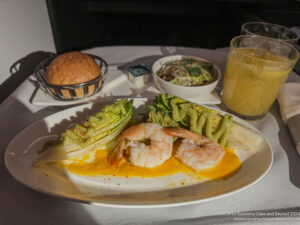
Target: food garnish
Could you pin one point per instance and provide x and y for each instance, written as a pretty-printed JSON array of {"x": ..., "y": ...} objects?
[
  {"x": 82, "y": 139},
  {"x": 172, "y": 111}
]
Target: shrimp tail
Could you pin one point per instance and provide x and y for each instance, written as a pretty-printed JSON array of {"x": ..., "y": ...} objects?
[
  {"x": 117, "y": 153},
  {"x": 182, "y": 133}
]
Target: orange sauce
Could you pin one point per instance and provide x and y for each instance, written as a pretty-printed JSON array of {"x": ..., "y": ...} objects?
[{"x": 229, "y": 164}]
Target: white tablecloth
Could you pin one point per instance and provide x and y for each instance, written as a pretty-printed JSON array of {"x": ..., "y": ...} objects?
[{"x": 278, "y": 192}]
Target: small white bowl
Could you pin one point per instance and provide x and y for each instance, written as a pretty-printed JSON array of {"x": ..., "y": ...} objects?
[{"x": 187, "y": 92}]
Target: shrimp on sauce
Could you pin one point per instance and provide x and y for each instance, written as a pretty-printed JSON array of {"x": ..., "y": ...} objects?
[
  {"x": 132, "y": 142},
  {"x": 195, "y": 150}
]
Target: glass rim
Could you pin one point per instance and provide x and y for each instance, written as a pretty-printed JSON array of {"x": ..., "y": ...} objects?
[
  {"x": 270, "y": 39},
  {"x": 272, "y": 24}
]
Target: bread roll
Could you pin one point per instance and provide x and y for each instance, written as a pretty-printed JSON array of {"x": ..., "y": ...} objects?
[{"x": 73, "y": 68}]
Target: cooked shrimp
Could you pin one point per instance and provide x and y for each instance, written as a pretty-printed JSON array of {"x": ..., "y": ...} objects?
[
  {"x": 196, "y": 151},
  {"x": 139, "y": 153}
]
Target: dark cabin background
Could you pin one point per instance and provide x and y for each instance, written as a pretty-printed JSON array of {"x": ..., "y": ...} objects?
[{"x": 80, "y": 24}]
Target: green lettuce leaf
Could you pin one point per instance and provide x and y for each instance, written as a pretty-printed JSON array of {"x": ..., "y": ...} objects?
[{"x": 97, "y": 130}]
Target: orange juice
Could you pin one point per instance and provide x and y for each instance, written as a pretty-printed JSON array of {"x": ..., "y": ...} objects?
[{"x": 253, "y": 79}]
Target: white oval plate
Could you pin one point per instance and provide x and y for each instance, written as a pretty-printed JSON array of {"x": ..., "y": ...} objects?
[{"x": 122, "y": 192}]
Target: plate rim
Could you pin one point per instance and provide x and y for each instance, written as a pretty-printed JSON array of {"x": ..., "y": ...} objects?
[{"x": 121, "y": 205}]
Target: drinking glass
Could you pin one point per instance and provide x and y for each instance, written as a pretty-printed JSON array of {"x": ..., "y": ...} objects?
[
  {"x": 270, "y": 30},
  {"x": 256, "y": 69}
]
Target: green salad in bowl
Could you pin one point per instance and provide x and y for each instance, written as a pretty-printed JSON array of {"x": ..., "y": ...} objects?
[
  {"x": 187, "y": 72},
  {"x": 188, "y": 77}
]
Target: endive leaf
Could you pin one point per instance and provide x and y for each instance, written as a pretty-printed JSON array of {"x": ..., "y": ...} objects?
[{"x": 96, "y": 131}]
